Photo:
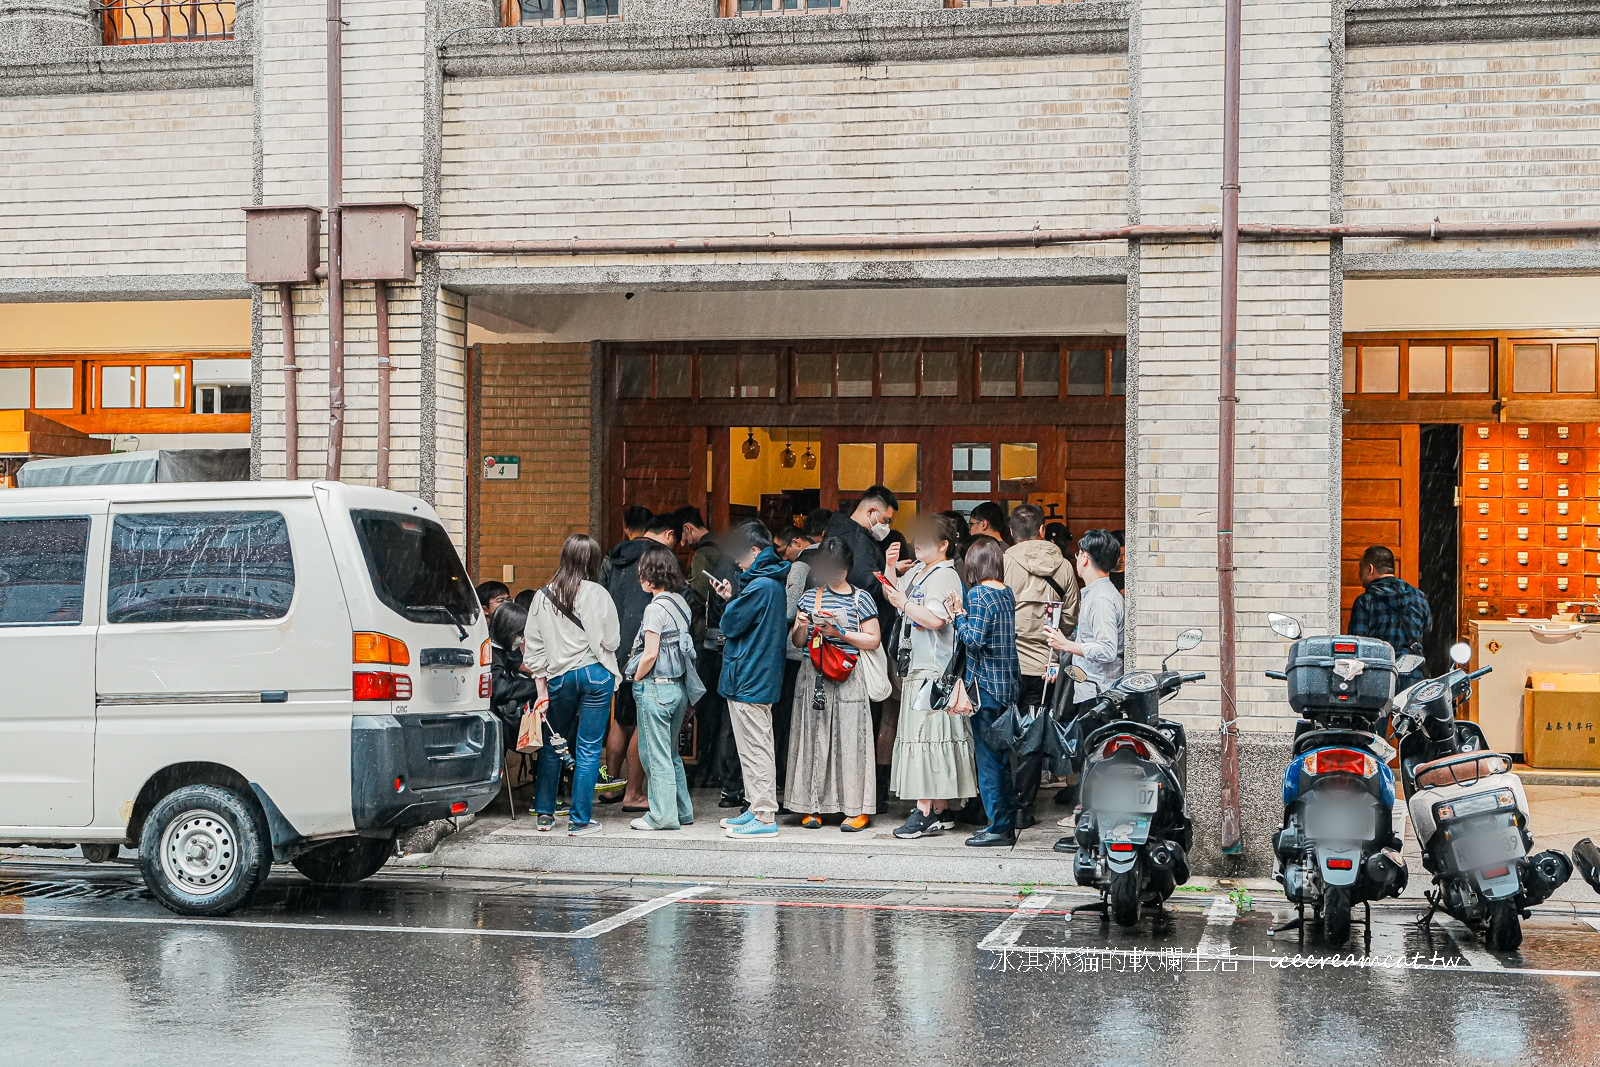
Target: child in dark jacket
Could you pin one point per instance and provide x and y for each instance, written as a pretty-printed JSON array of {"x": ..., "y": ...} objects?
[{"x": 513, "y": 688}]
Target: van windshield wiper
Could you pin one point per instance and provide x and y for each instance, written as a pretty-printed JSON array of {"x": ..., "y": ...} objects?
[{"x": 440, "y": 609}]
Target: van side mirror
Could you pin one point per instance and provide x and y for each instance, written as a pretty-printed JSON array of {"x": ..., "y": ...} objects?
[
  {"x": 1461, "y": 653},
  {"x": 1283, "y": 625}
]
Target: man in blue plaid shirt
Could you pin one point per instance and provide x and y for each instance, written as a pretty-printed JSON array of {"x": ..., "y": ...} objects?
[{"x": 1391, "y": 609}]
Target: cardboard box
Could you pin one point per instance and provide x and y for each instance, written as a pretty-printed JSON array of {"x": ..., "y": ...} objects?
[{"x": 1561, "y": 721}]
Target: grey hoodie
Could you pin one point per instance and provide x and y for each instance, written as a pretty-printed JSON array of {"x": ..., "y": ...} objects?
[{"x": 1028, "y": 565}]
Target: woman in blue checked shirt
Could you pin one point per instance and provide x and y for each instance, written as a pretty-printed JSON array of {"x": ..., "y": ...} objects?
[{"x": 986, "y": 624}]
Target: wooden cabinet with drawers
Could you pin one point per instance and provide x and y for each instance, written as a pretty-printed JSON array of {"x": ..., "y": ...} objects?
[{"x": 1530, "y": 518}]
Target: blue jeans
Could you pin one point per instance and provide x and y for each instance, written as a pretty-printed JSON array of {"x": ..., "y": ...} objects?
[
  {"x": 994, "y": 775},
  {"x": 580, "y": 711}
]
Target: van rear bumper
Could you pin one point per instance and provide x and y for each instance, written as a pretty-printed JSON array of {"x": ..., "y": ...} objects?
[{"x": 406, "y": 770}]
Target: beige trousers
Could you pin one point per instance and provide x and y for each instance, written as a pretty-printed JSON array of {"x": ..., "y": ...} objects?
[{"x": 752, "y": 736}]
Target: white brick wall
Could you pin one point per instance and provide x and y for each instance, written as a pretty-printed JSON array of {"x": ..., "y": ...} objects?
[
  {"x": 134, "y": 183},
  {"x": 1281, "y": 519},
  {"x": 807, "y": 150},
  {"x": 450, "y": 384}
]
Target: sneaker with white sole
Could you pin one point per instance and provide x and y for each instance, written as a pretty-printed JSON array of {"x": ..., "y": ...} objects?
[
  {"x": 593, "y": 827},
  {"x": 739, "y": 820},
  {"x": 754, "y": 830},
  {"x": 641, "y": 823}
]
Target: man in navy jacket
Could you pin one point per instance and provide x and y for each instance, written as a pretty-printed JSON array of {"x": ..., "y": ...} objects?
[{"x": 755, "y": 624}]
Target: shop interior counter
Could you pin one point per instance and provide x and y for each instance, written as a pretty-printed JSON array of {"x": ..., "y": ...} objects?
[{"x": 1514, "y": 650}]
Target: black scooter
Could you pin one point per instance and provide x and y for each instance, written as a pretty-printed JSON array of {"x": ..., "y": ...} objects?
[
  {"x": 1470, "y": 813},
  {"x": 1133, "y": 830}
]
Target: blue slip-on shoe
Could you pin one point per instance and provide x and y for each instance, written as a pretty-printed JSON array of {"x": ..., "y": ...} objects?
[
  {"x": 739, "y": 820},
  {"x": 754, "y": 830}
]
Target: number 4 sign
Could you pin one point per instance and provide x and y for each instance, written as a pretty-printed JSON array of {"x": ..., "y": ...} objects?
[{"x": 506, "y": 468}]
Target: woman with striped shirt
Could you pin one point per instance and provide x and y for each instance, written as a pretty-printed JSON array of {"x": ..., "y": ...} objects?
[{"x": 832, "y": 750}]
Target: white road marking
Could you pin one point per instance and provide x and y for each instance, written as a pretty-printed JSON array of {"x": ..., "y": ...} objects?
[
  {"x": 1220, "y": 916},
  {"x": 1006, "y": 934},
  {"x": 1467, "y": 944},
  {"x": 1595, "y": 923},
  {"x": 593, "y": 930}
]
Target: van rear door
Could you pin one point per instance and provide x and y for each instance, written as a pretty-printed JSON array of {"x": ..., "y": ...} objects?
[{"x": 49, "y": 556}]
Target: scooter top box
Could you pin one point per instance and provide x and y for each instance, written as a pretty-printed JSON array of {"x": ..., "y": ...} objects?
[{"x": 1317, "y": 681}]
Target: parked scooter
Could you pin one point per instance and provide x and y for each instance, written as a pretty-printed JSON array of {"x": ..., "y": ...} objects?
[
  {"x": 1470, "y": 813},
  {"x": 1133, "y": 830},
  {"x": 1337, "y": 847}
]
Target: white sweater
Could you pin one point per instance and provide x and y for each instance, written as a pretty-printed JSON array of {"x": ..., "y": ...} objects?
[{"x": 555, "y": 646}]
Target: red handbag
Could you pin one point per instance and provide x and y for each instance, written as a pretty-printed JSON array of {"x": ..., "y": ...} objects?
[{"x": 831, "y": 661}]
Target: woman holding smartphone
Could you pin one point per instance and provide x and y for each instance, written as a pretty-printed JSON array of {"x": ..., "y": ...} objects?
[
  {"x": 832, "y": 753},
  {"x": 933, "y": 755}
]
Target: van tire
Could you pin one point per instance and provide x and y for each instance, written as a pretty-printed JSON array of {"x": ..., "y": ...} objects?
[
  {"x": 204, "y": 850},
  {"x": 100, "y": 851},
  {"x": 348, "y": 859}
]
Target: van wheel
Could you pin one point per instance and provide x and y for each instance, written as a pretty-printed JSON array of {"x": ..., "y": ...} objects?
[
  {"x": 349, "y": 859},
  {"x": 204, "y": 850}
]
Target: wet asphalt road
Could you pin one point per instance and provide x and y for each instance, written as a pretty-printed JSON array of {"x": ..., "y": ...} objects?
[{"x": 431, "y": 969}]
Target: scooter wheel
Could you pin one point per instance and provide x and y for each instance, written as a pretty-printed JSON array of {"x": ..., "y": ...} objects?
[
  {"x": 1125, "y": 898},
  {"x": 1505, "y": 928},
  {"x": 1336, "y": 905}
]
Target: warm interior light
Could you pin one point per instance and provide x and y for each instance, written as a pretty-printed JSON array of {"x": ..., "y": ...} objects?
[{"x": 751, "y": 447}]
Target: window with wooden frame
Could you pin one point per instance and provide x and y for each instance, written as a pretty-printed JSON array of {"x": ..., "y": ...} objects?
[
  {"x": 1051, "y": 371},
  {"x": 779, "y": 8},
  {"x": 39, "y": 386},
  {"x": 1544, "y": 368},
  {"x": 165, "y": 21},
  {"x": 518, "y": 12},
  {"x": 863, "y": 370},
  {"x": 702, "y": 374},
  {"x": 1400, "y": 368}
]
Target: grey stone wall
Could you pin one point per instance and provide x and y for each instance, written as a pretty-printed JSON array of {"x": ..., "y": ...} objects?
[{"x": 1262, "y": 760}]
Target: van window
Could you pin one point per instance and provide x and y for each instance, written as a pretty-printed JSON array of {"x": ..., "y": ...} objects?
[
  {"x": 42, "y": 563},
  {"x": 199, "y": 566},
  {"x": 414, "y": 567}
]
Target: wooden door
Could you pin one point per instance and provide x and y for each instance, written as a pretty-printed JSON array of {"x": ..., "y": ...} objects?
[
  {"x": 1382, "y": 501},
  {"x": 661, "y": 467}
]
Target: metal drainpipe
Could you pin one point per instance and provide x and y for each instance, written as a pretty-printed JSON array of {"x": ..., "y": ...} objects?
[
  {"x": 335, "y": 63},
  {"x": 381, "y": 296},
  {"x": 1227, "y": 408},
  {"x": 291, "y": 386}
]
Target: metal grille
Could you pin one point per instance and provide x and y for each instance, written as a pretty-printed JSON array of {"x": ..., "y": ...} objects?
[
  {"x": 747, "y": 9},
  {"x": 808, "y": 896},
  {"x": 546, "y": 12},
  {"x": 72, "y": 890},
  {"x": 165, "y": 21}
]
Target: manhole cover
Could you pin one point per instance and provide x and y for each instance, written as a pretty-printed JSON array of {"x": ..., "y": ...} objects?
[
  {"x": 809, "y": 895},
  {"x": 72, "y": 890}
]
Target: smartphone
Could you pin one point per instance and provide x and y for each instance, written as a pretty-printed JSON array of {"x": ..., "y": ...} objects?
[
  {"x": 1055, "y": 615},
  {"x": 879, "y": 575}
]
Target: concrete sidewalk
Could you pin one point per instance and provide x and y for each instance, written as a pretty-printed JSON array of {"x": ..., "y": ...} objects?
[{"x": 1561, "y": 815}]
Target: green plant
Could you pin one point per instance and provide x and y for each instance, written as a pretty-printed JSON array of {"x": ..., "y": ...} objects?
[
  {"x": 1027, "y": 890},
  {"x": 1241, "y": 898}
]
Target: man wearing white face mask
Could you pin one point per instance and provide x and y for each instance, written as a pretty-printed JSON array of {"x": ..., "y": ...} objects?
[{"x": 864, "y": 530}]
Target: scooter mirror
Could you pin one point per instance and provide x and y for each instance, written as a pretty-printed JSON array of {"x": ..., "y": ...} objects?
[
  {"x": 1408, "y": 663},
  {"x": 1460, "y": 653},
  {"x": 1283, "y": 625},
  {"x": 1075, "y": 672},
  {"x": 1189, "y": 639}
]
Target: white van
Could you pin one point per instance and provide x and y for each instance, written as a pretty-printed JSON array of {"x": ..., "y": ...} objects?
[{"x": 225, "y": 674}]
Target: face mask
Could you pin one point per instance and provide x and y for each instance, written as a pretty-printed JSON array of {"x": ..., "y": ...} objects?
[{"x": 879, "y": 531}]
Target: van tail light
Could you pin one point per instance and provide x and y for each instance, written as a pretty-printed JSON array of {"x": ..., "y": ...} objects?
[
  {"x": 486, "y": 685},
  {"x": 458, "y": 808},
  {"x": 380, "y": 685},
  {"x": 380, "y": 648},
  {"x": 1342, "y": 761},
  {"x": 485, "y": 657},
  {"x": 1124, "y": 741}
]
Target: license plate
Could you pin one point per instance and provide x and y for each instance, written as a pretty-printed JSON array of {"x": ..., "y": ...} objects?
[
  {"x": 444, "y": 687},
  {"x": 1112, "y": 795},
  {"x": 1341, "y": 822},
  {"x": 1121, "y": 828},
  {"x": 1490, "y": 847}
]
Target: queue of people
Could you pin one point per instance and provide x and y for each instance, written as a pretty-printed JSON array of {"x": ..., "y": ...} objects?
[{"x": 809, "y": 674}]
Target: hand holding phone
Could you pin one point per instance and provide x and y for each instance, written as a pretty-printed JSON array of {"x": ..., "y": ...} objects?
[
  {"x": 879, "y": 575},
  {"x": 722, "y": 588}
]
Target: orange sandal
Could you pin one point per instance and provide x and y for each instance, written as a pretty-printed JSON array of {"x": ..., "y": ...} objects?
[
  {"x": 811, "y": 822},
  {"x": 855, "y": 824}
]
